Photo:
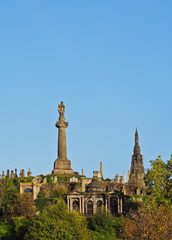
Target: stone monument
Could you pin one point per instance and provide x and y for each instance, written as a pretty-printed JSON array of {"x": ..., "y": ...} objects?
[
  {"x": 62, "y": 165},
  {"x": 136, "y": 176}
]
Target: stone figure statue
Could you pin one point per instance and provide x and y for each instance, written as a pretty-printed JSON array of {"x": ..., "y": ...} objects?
[{"x": 61, "y": 110}]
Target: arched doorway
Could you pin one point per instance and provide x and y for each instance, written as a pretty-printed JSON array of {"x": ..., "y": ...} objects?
[
  {"x": 99, "y": 204},
  {"x": 28, "y": 190},
  {"x": 89, "y": 207},
  {"x": 75, "y": 205},
  {"x": 113, "y": 205}
]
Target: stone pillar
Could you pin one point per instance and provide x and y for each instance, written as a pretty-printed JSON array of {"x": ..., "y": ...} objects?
[
  {"x": 128, "y": 174},
  {"x": 80, "y": 209},
  {"x": 106, "y": 204},
  {"x": 22, "y": 173},
  {"x": 86, "y": 207},
  {"x": 16, "y": 173},
  {"x": 3, "y": 175},
  {"x": 55, "y": 179},
  {"x": 116, "y": 178},
  {"x": 83, "y": 210},
  {"x": 12, "y": 174},
  {"x": 109, "y": 205},
  {"x": 29, "y": 174},
  {"x": 8, "y": 173},
  {"x": 101, "y": 169},
  {"x": 67, "y": 203},
  {"x": 62, "y": 165},
  {"x": 118, "y": 206},
  {"x": 62, "y": 140},
  {"x": 71, "y": 207},
  {"x": 82, "y": 171},
  {"x": 94, "y": 207},
  {"x": 122, "y": 179},
  {"x": 121, "y": 205}
]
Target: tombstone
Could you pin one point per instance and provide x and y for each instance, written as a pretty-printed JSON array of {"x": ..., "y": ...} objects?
[
  {"x": 116, "y": 180},
  {"x": 22, "y": 173},
  {"x": 55, "y": 179},
  {"x": 44, "y": 180},
  {"x": 122, "y": 179},
  {"x": 29, "y": 174},
  {"x": 8, "y": 173},
  {"x": 15, "y": 175},
  {"x": 3, "y": 175},
  {"x": 12, "y": 174}
]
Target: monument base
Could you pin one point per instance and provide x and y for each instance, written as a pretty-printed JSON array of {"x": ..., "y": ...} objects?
[
  {"x": 62, "y": 171},
  {"x": 62, "y": 167}
]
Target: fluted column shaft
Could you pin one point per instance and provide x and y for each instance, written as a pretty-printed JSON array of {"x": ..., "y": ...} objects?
[
  {"x": 62, "y": 139},
  {"x": 62, "y": 143}
]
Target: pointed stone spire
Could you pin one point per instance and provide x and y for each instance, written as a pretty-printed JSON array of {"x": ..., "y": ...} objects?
[
  {"x": 137, "y": 170},
  {"x": 136, "y": 146},
  {"x": 136, "y": 137}
]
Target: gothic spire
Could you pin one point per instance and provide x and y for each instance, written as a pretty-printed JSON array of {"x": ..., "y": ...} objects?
[
  {"x": 136, "y": 138},
  {"x": 137, "y": 169},
  {"x": 136, "y": 147}
]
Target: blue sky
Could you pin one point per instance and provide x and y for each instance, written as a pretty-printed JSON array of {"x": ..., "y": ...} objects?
[{"x": 111, "y": 64}]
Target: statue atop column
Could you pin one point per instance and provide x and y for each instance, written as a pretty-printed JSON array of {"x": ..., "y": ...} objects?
[
  {"x": 61, "y": 110},
  {"x": 62, "y": 165}
]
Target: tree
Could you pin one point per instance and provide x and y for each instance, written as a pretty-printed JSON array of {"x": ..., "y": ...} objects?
[
  {"x": 159, "y": 180},
  {"x": 55, "y": 222},
  {"x": 8, "y": 193},
  {"x": 13, "y": 228},
  {"x": 103, "y": 226},
  {"x": 151, "y": 222},
  {"x": 23, "y": 206}
]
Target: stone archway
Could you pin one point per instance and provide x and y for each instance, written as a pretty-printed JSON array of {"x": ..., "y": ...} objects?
[
  {"x": 89, "y": 207},
  {"x": 113, "y": 205},
  {"x": 75, "y": 205},
  {"x": 28, "y": 190}
]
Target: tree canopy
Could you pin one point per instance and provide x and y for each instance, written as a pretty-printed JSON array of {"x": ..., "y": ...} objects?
[
  {"x": 55, "y": 222},
  {"x": 159, "y": 180}
]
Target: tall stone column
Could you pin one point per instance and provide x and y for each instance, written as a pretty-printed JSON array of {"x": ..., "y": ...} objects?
[{"x": 62, "y": 165}]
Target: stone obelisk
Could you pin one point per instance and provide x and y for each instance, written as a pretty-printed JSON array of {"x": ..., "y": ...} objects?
[{"x": 62, "y": 165}]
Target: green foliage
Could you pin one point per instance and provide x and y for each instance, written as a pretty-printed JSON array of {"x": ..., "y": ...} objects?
[
  {"x": 25, "y": 179},
  {"x": 16, "y": 182},
  {"x": 104, "y": 226},
  {"x": 108, "y": 180},
  {"x": 130, "y": 203},
  {"x": 23, "y": 206},
  {"x": 63, "y": 178},
  {"x": 8, "y": 193},
  {"x": 159, "y": 180},
  {"x": 49, "y": 179},
  {"x": 13, "y": 228},
  {"x": 55, "y": 222},
  {"x": 41, "y": 201}
]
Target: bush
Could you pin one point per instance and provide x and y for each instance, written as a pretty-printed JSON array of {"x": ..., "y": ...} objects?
[
  {"x": 23, "y": 206},
  {"x": 13, "y": 228},
  {"x": 104, "y": 226},
  {"x": 55, "y": 222}
]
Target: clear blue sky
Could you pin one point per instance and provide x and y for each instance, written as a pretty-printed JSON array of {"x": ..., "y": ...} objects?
[{"x": 111, "y": 64}]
